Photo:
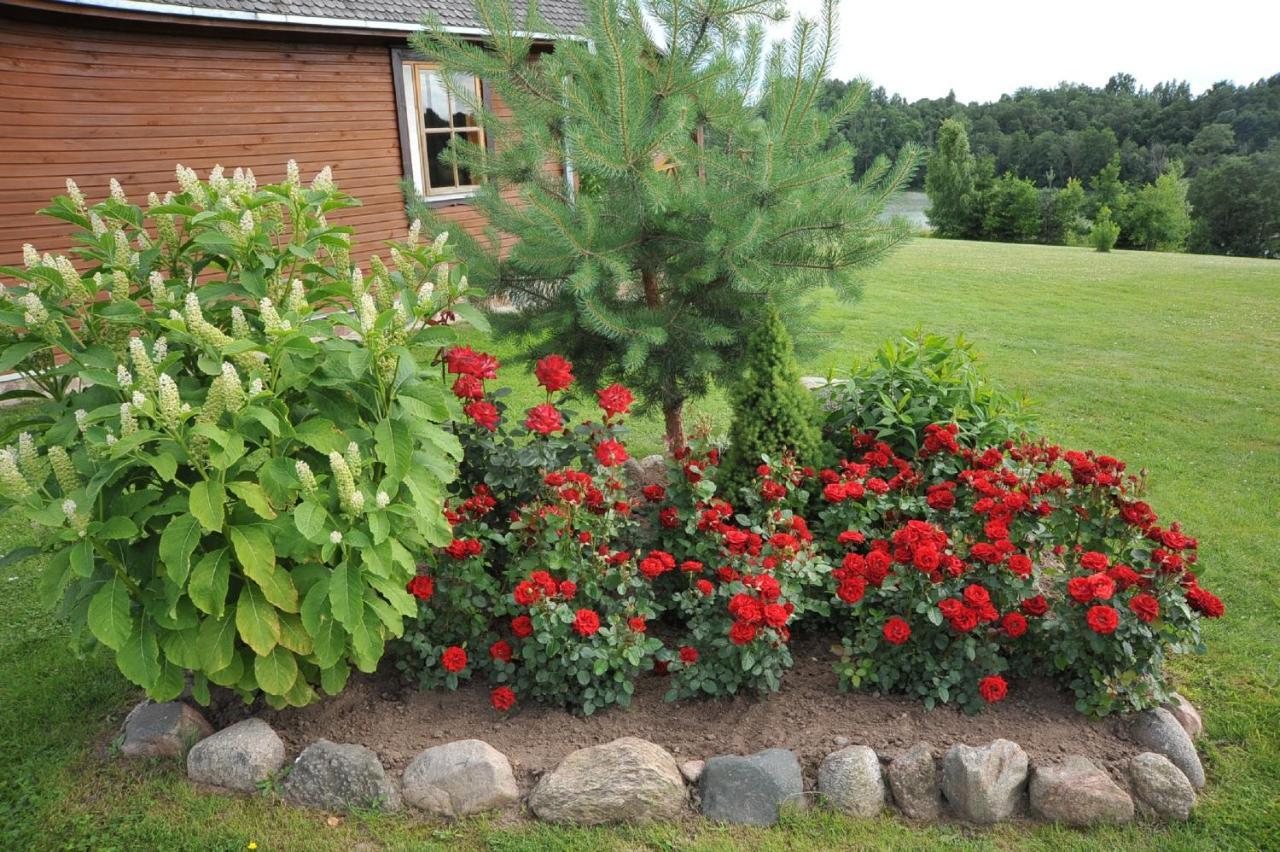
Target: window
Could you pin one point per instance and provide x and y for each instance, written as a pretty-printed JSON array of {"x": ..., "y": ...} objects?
[{"x": 434, "y": 118}]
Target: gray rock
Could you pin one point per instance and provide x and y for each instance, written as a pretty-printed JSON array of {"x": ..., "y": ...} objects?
[
  {"x": 473, "y": 776},
  {"x": 1187, "y": 715},
  {"x": 1075, "y": 792},
  {"x": 163, "y": 730},
  {"x": 340, "y": 777},
  {"x": 1158, "y": 731},
  {"x": 851, "y": 781},
  {"x": 750, "y": 789},
  {"x": 627, "y": 780},
  {"x": 913, "y": 777},
  {"x": 1161, "y": 786},
  {"x": 985, "y": 784},
  {"x": 692, "y": 770},
  {"x": 237, "y": 757}
]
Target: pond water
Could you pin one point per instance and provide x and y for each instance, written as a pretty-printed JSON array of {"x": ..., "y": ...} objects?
[{"x": 910, "y": 206}]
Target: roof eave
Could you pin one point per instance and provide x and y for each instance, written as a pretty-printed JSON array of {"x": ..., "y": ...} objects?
[{"x": 271, "y": 18}]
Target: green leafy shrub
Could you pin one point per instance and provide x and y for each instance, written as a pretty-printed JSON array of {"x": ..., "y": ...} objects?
[
  {"x": 917, "y": 381},
  {"x": 236, "y": 449},
  {"x": 773, "y": 413},
  {"x": 1105, "y": 231}
]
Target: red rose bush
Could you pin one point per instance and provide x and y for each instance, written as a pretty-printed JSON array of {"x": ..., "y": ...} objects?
[{"x": 942, "y": 568}]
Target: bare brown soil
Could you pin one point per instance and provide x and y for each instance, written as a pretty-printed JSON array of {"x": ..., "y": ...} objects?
[{"x": 807, "y": 716}]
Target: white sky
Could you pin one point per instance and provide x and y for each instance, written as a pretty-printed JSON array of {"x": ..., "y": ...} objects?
[{"x": 985, "y": 48}]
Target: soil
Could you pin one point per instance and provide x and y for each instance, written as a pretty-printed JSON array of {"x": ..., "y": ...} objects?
[{"x": 806, "y": 716}]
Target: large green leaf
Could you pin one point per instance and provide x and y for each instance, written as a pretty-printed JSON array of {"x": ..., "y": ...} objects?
[
  {"x": 177, "y": 543},
  {"x": 109, "y": 617},
  {"x": 256, "y": 620},
  {"x": 257, "y": 556},
  {"x": 207, "y": 586},
  {"x": 206, "y": 502},
  {"x": 276, "y": 671},
  {"x": 346, "y": 595},
  {"x": 312, "y": 521},
  {"x": 217, "y": 644},
  {"x": 394, "y": 447},
  {"x": 256, "y": 498},
  {"x": 366, "y": 640},
  {"x": 139, "y": 657},
  {"x": 181, "y": 647},
  {"x": 294, "y": 636},
  {"x": 333, "y": 678}
]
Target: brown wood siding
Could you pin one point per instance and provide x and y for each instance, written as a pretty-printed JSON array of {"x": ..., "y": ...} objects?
[{"x": 95, "y": 104}]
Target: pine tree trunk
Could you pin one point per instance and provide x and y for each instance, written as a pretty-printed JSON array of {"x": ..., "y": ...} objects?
[
  {"x": 672, "y": 408},
  {"x": 673, "y": 412}
]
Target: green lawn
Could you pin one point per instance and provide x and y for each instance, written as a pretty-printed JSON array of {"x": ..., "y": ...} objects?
[{"x": 1168, "y": 361}]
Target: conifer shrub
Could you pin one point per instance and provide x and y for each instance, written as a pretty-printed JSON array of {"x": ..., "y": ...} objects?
[
  {"x": 774, "y": 415},
  {"x": 1105, "y": 231}
]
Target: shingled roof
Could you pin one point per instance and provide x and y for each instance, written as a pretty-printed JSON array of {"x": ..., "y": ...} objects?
[{"x": 564, "y": 16}]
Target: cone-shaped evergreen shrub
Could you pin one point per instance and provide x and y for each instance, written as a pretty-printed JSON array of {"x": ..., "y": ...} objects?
[{"x": 772, "y": 410}]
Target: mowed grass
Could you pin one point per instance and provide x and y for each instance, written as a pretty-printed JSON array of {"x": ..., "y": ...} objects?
[{"x": 1168, "y": 361}]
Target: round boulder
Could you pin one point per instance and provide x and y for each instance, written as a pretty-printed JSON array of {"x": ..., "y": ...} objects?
[
  {"x": 627, "y": 780},
  {"x": 238, "y": 757},
  {"x": 340, "y": 777},
  {"x": 1077, "y": 793},
  {"x": 913, "y": 777},
  {"x": 1159, "y": 731},
  {"x": 851, "y": 781},
  {"x": 167, "y": 729},
  {"x": 985, "y": 784},
  {"x": 750, "y": 789},
  {"x": 473, "y": 776},
  {"x": 1161, "y": 786}
]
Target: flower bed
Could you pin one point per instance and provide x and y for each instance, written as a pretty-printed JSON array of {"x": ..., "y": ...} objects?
[{"x": 939, "y": 573}]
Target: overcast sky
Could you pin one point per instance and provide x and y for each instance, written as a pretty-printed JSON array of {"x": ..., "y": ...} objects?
[{"x": 985, "y": 48}]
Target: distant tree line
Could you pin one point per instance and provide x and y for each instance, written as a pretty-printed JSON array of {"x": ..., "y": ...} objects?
[{"x": 1175, "y": 171}]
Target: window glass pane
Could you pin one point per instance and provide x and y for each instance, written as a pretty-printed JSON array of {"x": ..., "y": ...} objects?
[
  {"x": 435, "y": 100},
  {"x": 464, "y": 176},
  {"x": 463, "y": 115},
  {"x": 439, "y": 175}
]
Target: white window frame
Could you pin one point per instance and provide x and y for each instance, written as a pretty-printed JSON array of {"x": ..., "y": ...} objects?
[{"x": 417, "y": 132}]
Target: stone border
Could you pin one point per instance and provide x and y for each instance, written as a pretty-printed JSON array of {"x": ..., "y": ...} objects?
[{"x": 631, "y": 780}]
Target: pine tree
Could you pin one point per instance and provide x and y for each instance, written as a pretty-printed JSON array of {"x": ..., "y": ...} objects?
[
  {"x": 708, "y": 185},
  {"x": 949, "y": 181},
  {"x": 772, "y": 411}
]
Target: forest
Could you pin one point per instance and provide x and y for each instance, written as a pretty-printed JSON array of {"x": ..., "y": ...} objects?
[{"x": 1175, "y": 170}]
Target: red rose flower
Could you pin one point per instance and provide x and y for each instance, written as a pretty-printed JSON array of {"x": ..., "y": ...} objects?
[
  {"x": 669, "y": 517},
  {"x": 468, "y": 387},
  {"x": 615, "y": 399},
  {"x": 941, "y": 499},
  {"x": 852, "y": 589},
  {"x": 422, "y": 587},
  {"x": 522, "y": 626},
  {"x": 1080, "y": 589},
  {"x": 775, "y": 615},
  {"x": 554, "y": 373},
  {"x": 611, "y": 453},
  {"x": 482, "y": 414},
  {"x": 964, "y": 620},
  {"x": 834, "y": 493},
  {"x": 742, "y": 632},
  {"x": 502, "y": 698},
  {"x": 1145, "y": 607},
  {"x": 501, "y": 651},
  {"x": 1102, "y": 619},
  {"x": 705, "y": 587},
  {"x": 454, "y": 659},
  {"x": 688, "y": 655},
  {"x": 543, "y": 419},
  {"x": 1093, "y": 561},
  {"x": 1205, "y": 602},
  {"x": 1014, "y": 624},
  {"x": 525, "y": 593},
  {"x": 992, "y": 688},
  {"x": 1020, "y": 565},
  {"x": 1035, "y": 606},
  {"x": 897, "y": 631},
  {"x": 586, "y": 622},
  {"x": 636, "y": 623},
  {"x": 654, "y": 493},
  {"x": 976, "y": 595},
  {"x": 1103, "y": 586},
  {"x": 568, "y": 589},
  {"x": 463, "y": 360}
]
